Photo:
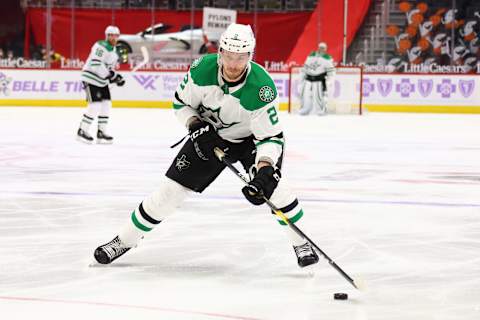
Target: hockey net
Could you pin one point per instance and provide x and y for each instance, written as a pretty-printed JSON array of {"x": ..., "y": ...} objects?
[{"x": 344, "y": 95}]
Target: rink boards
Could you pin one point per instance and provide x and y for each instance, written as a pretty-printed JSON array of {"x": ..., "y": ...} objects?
[{"x": 439, "y": 93}]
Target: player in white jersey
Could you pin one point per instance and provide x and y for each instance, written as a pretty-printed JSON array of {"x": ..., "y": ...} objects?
[
  {"x": 97, "y": 73},
  {"x": 318, "y": 70},
  {"x": 226, "y": 101}
]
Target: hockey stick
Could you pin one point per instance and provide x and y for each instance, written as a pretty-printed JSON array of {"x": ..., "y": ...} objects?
[
  {"x": 356, "y": 283},
  {"x": 145, "y": 60}
]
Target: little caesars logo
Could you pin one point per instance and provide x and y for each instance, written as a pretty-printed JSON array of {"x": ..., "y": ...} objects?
[{"x": 266, "y": 94}]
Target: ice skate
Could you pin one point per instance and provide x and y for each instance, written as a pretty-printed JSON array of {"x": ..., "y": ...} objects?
[
  {"x": 103, "y": 138},
  {"x": 110, "y": 251},
  {"x": 84, "y": 137},
  {"x": 305, "y": 255}
]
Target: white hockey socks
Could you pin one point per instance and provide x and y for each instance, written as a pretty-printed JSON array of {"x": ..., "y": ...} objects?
[
  {"x": 285, "y": 200},
  {"x": 104, "y": 114},
  {"x": 93, "y": 108},
  {"x": 294, "y": 213},
  {"x": 153, "y": 210}
]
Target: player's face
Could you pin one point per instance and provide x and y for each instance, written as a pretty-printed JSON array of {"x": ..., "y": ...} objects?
[
  {"x": 234, "y": 64},
  {"x": 113, "y": 38}
]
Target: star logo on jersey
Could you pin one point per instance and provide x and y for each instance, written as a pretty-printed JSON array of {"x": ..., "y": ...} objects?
[
  {"x": 195, "y": 63},
  {"x": 266, "y": 94},
  {"x": 213, "y": 116},
  {"x": 312, "y": 66},
  {"x": 182, "y": 163}
]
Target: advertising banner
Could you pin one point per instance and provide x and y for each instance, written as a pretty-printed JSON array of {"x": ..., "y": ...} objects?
[
  {"x": 457, "y": 93},
  {"x": 381, "y": 92}
]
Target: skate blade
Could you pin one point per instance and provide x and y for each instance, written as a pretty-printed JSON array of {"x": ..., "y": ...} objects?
[
  {"x": 101, "y": 141},
  {"x": 84, "y": 140}
]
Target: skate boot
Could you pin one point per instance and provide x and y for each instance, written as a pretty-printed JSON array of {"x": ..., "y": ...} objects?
[
  {"x": 110, "y": 251},
  {"x": 305, "y": 255},
  {"x": 83, "y": 136},
  {"x": 103, "y": 138}
]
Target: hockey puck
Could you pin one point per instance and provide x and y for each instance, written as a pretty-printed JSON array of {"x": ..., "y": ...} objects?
[{"x": 340, "y": 296}]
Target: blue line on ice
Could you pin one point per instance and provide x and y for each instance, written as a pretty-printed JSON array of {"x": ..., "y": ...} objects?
[{"x": 141, "y": 195}]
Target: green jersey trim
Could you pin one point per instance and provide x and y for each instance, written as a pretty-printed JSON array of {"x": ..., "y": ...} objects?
[
  {"x": 269, "y": 141},
  {"x": 204, "y": 70},
  {"x": 323, "y": 55},
  {"x": 178, "y": 106},
  {"x": 258, "y": 90},
  {"x": 91, "y": 77},
  {"x": 106, "y": 45}
]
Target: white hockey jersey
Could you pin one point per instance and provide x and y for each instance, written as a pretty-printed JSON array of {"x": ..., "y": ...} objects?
[
  {"x": 318, "y": 63},
  {"x": 238, "y": 112},
  {"x": 103, "y": 58}
]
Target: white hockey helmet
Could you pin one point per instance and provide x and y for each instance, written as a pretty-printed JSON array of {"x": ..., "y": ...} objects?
[
  {"x": 238, "y": 38},
  {"x": 112, "y": 30},
  {"x": 322, "y": 45}
]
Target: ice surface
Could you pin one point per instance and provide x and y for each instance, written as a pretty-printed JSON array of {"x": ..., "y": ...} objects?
[{"x": 393, "y": 198}]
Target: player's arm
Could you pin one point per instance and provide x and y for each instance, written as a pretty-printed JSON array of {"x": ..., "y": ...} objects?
[
  {"x": 186, "y": 101},
  {"x": 330, "y": 71},
  {"x": 269, "y": 143},
  {"x": 266, "y": 128},
  {"x": 330, "y": 68}
]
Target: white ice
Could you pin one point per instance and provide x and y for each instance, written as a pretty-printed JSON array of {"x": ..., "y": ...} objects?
[{"x": 392, "y": 198}]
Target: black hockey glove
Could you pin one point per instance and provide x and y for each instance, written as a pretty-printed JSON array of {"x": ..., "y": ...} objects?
[
  {"x": 263, "y": 184},
  {"x": 205, "y": 138},
  {"x": 116, "y": 78}
]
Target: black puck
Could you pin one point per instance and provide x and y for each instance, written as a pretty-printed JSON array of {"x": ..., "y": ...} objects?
[{"x": 340, "y": 296}]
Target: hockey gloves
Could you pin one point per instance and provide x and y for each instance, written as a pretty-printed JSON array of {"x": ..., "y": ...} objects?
[
  {"x": 262, "y": 185},
  {"x": 116, "y": 78},
  {"x": 205, "y": 138}
]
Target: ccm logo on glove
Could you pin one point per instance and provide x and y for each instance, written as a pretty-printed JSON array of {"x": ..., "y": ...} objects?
[
  {"x": 194, "y": 135},
  {"x": 205, "y": 138}
]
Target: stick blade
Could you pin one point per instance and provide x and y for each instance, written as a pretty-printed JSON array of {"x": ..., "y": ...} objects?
[{"x": 360, "y": 284}]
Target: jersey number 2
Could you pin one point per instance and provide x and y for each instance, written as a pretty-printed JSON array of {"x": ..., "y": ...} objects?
[{"x": 272, "y": 115}]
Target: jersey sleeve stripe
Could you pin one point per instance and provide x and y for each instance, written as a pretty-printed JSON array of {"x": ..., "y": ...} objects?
[
  {"x": 94, "y": 75},
  {"x": 177, "y": 97},
  {"x": 269, "y": 141},
  {"x": 94, "y": 79},
  {"x": 178, "y": 106}
]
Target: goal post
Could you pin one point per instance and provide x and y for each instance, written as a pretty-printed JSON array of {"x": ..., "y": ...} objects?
[{"x": 344, "y": 92}]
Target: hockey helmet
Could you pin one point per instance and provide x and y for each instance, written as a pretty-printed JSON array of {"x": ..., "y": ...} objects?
[
  {"x": 322, "y": 45},
  {"x": 238, "y": 38},
  {"x": 112, "y": 30}
]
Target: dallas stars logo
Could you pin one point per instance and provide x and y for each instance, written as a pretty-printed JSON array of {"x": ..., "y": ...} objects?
[
  {"x": 182, "y": 163},
  {"x": 213, "y": 116},
  {"x": 313, "y": 66},
  {"x": 266, "y": 94}
]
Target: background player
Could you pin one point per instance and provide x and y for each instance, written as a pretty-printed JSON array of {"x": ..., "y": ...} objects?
[
  {"x": 97, "y": 73},
  {"x": 318, "y": 70}
]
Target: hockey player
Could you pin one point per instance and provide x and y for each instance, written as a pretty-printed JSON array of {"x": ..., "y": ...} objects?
[
  {"x": 226, "y": 101},
  {"x": 317, "y": 71},
  {"x": 97, "y": 73}
]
